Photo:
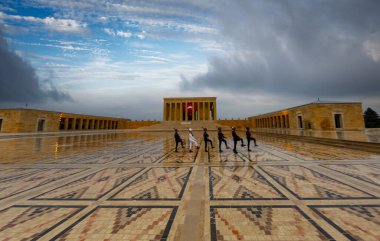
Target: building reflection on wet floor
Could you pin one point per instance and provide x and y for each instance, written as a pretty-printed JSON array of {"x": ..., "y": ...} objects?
[{"x": 133, "y": 186}]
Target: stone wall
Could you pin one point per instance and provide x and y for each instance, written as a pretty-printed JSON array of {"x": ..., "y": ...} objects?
[
  {"x": 315, "y": 116},
  {"x": 139, "y": 124},
  {"x": 239, "y": 124},
  {"x": 26, "y": 120}
]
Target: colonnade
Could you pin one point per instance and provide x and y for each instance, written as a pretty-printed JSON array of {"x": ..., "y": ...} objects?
[
  {"x": 72, "y": 123},
  {"x": 189, "y": 110},
  {"x": 278, "y": 121}
]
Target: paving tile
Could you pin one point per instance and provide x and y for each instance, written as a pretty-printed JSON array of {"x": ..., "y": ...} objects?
[
  {"x": 362, "y": 172},
  {"x": 275, "y": 223},
  {"x": 122, "y": 223},
  {"x": 33, "y": 222},
  {"x": 10, "y": 187},
  {"x": 11, "y": 173},
  {"x": 161, "y": 183},
  {"x": 257, "y": 155},
  {"x": 354, "y": 221},
  {"x": 305, "y": 183},
  {"x": 91, "y": 187},
  {"x": 240, "y": 183},
  {"x": 138, "y": 185}
]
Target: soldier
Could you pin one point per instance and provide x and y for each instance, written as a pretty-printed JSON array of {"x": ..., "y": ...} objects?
[
  {"x": 236, "y": 139},
  {"x": 192, "y": 140},
  {"x": 177, "y": 140},
  {"x": 249, "y": 138},
  {"x": 206, "y": 139},
  {"x": 221, "y": 139}
]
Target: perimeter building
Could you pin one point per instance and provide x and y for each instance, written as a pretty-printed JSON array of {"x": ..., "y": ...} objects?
[
  {"x": 316, "y": 116},
  {"x": 30, "y": 120},
  {"x": 190, "y": 109}
]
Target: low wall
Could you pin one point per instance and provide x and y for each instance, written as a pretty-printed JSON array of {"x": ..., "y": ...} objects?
[
  {"x": 239, "y": 124},
  {"x": 139, "y": 124}
]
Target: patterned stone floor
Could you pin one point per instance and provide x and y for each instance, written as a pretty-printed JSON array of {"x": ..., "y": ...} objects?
[{"x": 133, "y": 186}]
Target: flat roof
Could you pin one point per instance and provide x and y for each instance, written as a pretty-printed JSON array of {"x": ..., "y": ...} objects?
[
  {"x": 186, "y": 98},
  {"x": 311, "y": 103},
  {"x": 60, "y": 112}
]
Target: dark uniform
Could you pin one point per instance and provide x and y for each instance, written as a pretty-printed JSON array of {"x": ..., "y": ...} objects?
[
  {"x": 206, "y": 139},
  {"x": 221, "y": 139},
  {"x": 178, "y": 139},
  {"x": 236, "y": 139},
  {"x": 249, "y": 138}
]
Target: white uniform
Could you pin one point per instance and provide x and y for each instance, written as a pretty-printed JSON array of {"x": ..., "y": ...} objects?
[{"x": 192, "y": 140}]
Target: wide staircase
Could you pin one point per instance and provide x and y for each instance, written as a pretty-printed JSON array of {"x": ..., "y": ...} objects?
[{"x": 182, "y": 125}]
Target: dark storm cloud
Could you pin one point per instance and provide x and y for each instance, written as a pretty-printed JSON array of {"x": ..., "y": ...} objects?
[
  {"x": 19, "y": 82},
  {"x": 305, "y": 48}
]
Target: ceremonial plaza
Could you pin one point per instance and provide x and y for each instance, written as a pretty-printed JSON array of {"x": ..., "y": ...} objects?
[{"x": 315, "y": 175}]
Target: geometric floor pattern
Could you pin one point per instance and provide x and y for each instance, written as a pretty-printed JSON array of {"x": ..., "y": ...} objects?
[
  {"x": 263, "y": 223},
  {"x": 240, "y": 183},
  {"x": 122, "y": 223},
  {"x": 32, "y": 222},
  {"x": 133, "y": 186},
  {"x": 93, "y": 186},
  {"x": 158, "y": 183},
  {"x": 355, "y": 222},
  {"x": 305, "y": 183}
]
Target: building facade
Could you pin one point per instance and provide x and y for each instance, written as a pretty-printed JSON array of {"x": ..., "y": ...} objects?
[
  {"x": 315, "y": 116},
  {"x": 190, "y": 109},
  {"x": 29, "y": 120}
]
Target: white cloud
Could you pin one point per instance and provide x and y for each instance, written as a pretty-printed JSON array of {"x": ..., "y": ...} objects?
[
  {"x": 124, "y": 34},
  {"x": 141, "y": 35},
  {"x": 372, "y": 48},
  {"x": 109, "y": 32},
  {"x": 60, "y": 25},
  {"x": 119, "y": 33}
]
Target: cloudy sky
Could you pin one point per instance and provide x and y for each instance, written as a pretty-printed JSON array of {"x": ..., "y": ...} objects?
[{"x": 120, "y": 58}]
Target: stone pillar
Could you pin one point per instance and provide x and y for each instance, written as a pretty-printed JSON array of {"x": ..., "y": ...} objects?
[
  {"x": 192, "y": 111},
  {"x": 186, "y": 118},
  {"x": 215, "y": 117},
  {"x": 80, "y": 124},
  {"x": 73, "y": 126},
  {"x": 207, "y": 111},
  {"x": 175, "y": 111},
  {"x": 203, "y": 111},
  {"x": 66, "y": 124},
  {"x": 164, "y": 117},
  {"x": 180, "y": 111}
]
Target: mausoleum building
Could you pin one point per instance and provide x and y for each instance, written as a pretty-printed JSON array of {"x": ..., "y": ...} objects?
[{"x": 190, "y": 109}]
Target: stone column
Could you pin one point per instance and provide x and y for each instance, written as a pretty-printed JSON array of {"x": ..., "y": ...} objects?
[
  {"x": 215, "y": 117},
  {"x": 164, "y": 117},
  {"x": 192, "y": 111},
  {"x": 199, "y": 111},
  {"x": 80, "y": 124},
  {"x": 73, "y": 126},
  {"x": 203, "y": 111},
  {"x": 66, "y": 124},
  {"x": 186, "y": 118},
  {"x": 180, "y": 111},
  {"x": 175, "y": 111}
]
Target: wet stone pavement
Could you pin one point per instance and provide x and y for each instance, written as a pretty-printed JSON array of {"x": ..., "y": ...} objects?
[{"x": 133, "y": 186}]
